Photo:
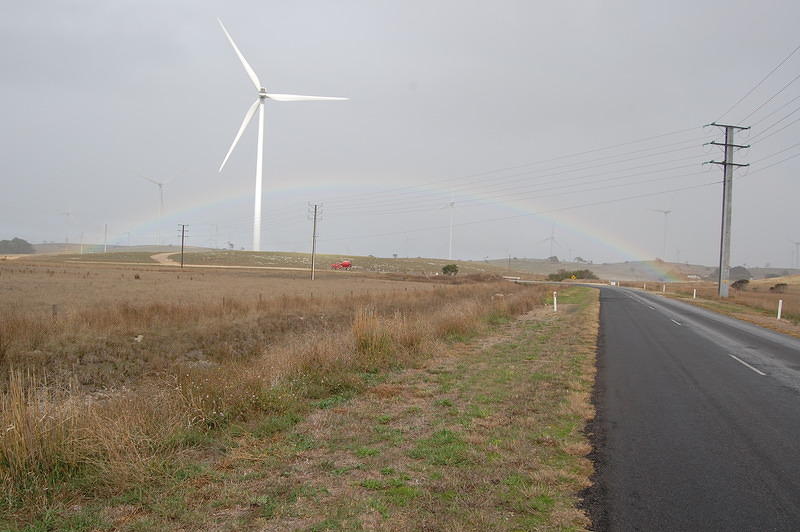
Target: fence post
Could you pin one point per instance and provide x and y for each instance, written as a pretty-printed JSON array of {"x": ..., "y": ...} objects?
[
  {"x": 780, "y": 307},
  {"x": 555, "y": 301}
]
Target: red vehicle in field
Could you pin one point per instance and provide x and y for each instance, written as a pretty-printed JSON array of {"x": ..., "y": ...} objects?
[{"x": 344, "y": 265}]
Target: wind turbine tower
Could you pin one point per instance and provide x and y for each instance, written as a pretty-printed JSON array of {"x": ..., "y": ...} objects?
[
  {"x": 666, "y": 214},
  {"x": 451, "y": 205},
  {"x": 259, "y": 105},
  {"x": 551, "y": 239},
  {"x": 160, "y": 185}
]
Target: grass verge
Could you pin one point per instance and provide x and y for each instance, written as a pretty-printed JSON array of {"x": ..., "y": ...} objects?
[
  {"x": 161, "y": 455},
  {"x": 484, "y": 435}
]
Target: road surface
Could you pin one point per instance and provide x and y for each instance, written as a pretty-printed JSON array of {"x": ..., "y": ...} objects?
[{"x": 698, "y": 424}]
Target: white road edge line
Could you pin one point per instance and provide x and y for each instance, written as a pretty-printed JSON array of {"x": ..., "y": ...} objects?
[
  {"x": 653, "y": 308},
  {"x": 675, "y": 322},
  {"x": 737, "y": 359}
]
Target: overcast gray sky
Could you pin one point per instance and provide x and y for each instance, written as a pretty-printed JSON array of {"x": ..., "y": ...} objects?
[{"x": 459, "y": 100}]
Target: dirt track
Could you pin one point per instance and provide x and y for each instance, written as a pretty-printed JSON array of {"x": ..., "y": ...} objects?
[{"x": 164, "y": 259}]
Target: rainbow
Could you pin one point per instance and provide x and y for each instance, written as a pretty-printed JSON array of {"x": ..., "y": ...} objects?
[{"x": 564, "y": 219}]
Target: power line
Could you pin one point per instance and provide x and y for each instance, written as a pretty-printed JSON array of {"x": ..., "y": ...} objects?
[
  {"x": 414, "y": 189},
  {"x": 777, "y": 131},
  {"x": 538, "y": 192},
  {"x": 538, "y": 213},
  {"x": 776, "y": 110},
  {"x": 507, "y": 186},
  {"x": 776, "y": 153},
  {"x": 771, "y": 97},
  {"x": 757, "y": 85},
  {"x": 762, "y": 131},
  {"x": 541, "y": 161},
  {"x": 773, "y": 164}
]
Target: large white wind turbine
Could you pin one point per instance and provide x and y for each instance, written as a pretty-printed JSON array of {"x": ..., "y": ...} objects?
[{"x": 259, "y": 104}]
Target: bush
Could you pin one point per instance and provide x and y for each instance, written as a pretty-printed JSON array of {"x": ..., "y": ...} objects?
[
  {"x": 15, "y": 245},
  {"x": 741, "y": 284},
  {"x": 780, "y": 288},
  {"x": 450, "y": 269},
  {"x": 560, "y": 275}
]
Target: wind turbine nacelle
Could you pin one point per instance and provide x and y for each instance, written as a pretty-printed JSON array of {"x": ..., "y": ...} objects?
[{"x": 262, "y": 93}]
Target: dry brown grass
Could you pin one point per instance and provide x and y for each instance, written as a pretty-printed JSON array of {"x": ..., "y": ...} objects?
[
  {"x": 485, "y": 436},
  {"x": 201, "y": 365},
  {"x": 85, "y": 321}
]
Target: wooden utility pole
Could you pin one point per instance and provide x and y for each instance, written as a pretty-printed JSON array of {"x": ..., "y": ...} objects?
[
  {"x": 314, "y": 212},
  {"x": 183, "y": 239}
]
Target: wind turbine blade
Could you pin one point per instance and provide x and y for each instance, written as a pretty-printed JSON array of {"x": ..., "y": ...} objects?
[
  {"x": 300, "y": 98},
  {"x": 245, "y": 64},
  {"x": 151, "y": 180},
  {"x": 247, "y": 117}
]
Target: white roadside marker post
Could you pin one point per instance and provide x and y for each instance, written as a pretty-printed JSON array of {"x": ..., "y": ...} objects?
[
  {"x": 694, "y": 293},
  {"x": 780, "y": 308},
  {"x": 555, "y": 301},
  {"x": 664, "y": 288},
  {"x": 644, "y": 287}
]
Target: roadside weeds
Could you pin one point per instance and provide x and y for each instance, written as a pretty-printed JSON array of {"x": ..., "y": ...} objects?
[{"x": 488, "y": 435}]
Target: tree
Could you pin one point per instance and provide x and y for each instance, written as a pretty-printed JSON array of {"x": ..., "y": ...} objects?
[
  {"x": 553, "y": 259},
  {"x": 16, "y": 245},
  {"x": 450, "y": 269},
  {"x": 741, "y": 284}
]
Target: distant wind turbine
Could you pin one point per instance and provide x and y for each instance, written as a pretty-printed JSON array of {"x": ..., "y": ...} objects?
[
  {"x": 666, "y": 214},
  {"x": 552, "y": 239},
  {"x": 160, "y": 185},
  {"x": 451, "y": 205},
  {"x": 259, "y": 104},
  {"x": 796, "y": 254},
  {"x": 67, "y": 218}
]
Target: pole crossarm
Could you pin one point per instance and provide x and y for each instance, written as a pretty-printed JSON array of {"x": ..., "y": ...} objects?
[
  {"x": 715, "y": 143},
  {"x": 727, "y": 125},
  {"x": 724, "y": 163}
]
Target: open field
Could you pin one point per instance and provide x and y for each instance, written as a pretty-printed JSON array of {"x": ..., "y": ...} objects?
[
  {"x": 56, "y": 317},
  {"x": 261, "y": 435},
  {"x": 268, "y": 259},
  {"x": 364, "y": 264},
  {"x": 132, "y": 384}
]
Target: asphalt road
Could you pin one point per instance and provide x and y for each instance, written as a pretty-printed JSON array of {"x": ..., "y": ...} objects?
[{"x": 698, "y": 424}]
